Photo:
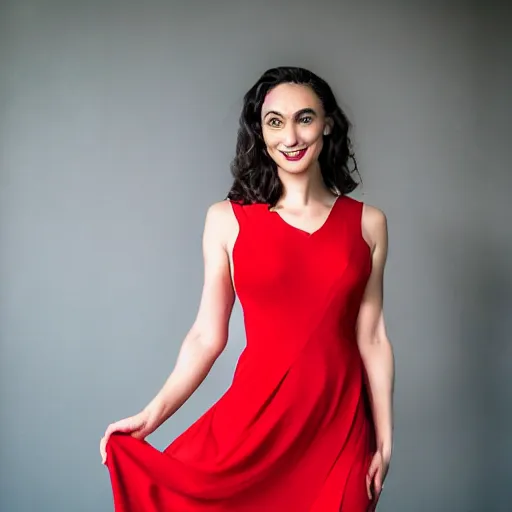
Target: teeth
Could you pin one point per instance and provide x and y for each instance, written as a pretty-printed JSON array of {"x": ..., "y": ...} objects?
[{"x": 293, "y": 153}]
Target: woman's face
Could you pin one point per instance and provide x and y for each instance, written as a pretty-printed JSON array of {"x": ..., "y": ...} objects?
[{"x": 293, "y": 123}]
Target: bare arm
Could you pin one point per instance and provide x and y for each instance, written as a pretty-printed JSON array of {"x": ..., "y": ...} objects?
[
  {"x": 374, "y": 345},
  {"x": 208, "y": 335}
]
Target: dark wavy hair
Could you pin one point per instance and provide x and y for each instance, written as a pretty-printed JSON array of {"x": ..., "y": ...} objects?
[{"x": 255, "y": 173}]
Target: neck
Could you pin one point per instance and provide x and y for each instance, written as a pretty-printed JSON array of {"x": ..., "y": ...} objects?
[{"x": 303, "y": 188}]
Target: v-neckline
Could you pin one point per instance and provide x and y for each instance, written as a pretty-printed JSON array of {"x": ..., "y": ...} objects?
[{"x": 303, "y": 232}]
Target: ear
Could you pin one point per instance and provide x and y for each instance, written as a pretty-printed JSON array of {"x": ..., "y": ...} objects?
[{"x": 328, "y": 126}]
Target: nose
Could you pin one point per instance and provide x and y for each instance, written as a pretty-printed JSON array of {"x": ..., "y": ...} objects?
[{"x": 289, "y": 135}]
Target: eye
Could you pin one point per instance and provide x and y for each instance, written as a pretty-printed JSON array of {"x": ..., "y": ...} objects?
[
  {"x": 307, "y": 119},
  {"x": 270, "y": 123}
]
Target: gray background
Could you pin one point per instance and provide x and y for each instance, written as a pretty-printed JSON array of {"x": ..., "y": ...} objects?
[{"x": 118, "y": 122}]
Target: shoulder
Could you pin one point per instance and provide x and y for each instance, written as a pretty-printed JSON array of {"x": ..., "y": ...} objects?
[
  {"x": 227, "y": 207},
  {"x": 374, "y": 224},
  {"x": 220, "y": 216},
  {"x": 374, "y": 217},
  {"x": 219, "y": 221},
  {"x": 220, "y": 210}
]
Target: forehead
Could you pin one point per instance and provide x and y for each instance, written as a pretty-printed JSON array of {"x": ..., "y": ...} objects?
[{"x": 289, "y": 98}]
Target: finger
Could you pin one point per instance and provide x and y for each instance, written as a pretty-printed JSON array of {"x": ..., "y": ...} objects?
[
  {"x": 369, "y": 478},
  {"x": 114, "y": 427},
  {"x": 374, "y": 465},
  {"x": 369, "y": 487},
  {"x": 102, "y": 450},
  {"x": 119, "y": 426},
  {"x": 378, "y": 481},
  {"x": 105, "y": 439},
  {"x": 126, "y": 425},
  {"x": 374, "y": 499}
]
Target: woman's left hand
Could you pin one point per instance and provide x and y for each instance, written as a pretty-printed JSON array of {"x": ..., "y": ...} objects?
[{"x": 377, "y": 474}]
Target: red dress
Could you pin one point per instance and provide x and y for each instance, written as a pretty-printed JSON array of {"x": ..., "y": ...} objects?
[{"x": 293, "y": 433}]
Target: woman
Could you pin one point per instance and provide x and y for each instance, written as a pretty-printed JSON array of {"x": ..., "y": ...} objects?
[{"x": 306, "y": 425}]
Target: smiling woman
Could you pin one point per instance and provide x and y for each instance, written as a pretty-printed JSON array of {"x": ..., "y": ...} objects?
[
  {"x": 290, "y": 110},
  {"x": 306, "y": 423}
]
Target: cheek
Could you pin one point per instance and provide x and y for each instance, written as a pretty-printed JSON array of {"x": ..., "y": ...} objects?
[
  {"x": 270, "y": 138},
  {"x": 314, "y": 136},
  {"x": 315, "y": 141},
  {"x": 317, "y": 144}
]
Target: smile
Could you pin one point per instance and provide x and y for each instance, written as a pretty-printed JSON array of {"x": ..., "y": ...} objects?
[{"x": 294, "y": 155}]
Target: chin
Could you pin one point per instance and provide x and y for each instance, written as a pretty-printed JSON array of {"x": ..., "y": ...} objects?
[
  {"x": 295, "y": 167},
  {"x": 294, "y": 170}
]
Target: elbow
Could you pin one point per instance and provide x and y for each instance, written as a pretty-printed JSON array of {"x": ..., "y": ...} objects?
[
  {"x": 370, "y": 344},
  {"x": 212, "y": 342},
  {"x": 215, "y": 346}
]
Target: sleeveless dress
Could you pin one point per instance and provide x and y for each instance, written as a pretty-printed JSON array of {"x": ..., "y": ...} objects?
[{"x": 294, "y": 432}]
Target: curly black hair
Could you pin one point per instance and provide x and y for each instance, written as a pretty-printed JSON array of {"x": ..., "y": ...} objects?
[{"x": 255, "y": 173}]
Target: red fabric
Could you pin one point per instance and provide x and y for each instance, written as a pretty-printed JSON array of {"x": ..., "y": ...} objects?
[{"x": 293, "y": 433}]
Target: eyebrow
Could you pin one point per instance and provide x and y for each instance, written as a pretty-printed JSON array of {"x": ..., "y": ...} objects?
[{"x": 297, "y": 114}]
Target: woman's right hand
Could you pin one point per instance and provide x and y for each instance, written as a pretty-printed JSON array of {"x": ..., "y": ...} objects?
[{"x": 138, "y": 426}]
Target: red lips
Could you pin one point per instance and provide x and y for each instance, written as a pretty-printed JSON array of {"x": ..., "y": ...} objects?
[{"x": 301, "y": 153}]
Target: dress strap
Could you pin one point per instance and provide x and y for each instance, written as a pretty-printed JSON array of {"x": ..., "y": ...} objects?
[
  {"x": 239, "y": 212},
  {"x": 353, "y": 213}
]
